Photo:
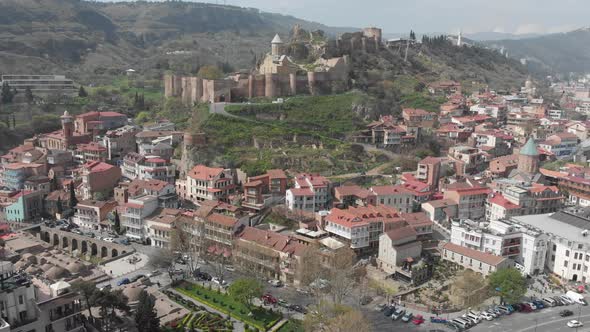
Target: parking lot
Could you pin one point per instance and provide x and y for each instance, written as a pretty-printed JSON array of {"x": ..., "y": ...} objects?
[{"x": 547, "y": 319}]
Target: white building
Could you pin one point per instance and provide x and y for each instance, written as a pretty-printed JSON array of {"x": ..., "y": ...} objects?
[
  {"x": 311, "y": 193},
  {"x": 525, "y": 246},
  {"x": 568, "y": 253},
  {"x": 477, "y": 261},
  {"x": 134, "y": 218}
]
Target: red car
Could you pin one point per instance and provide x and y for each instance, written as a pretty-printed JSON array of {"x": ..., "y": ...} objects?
[
  {"x": 418, "y": 319},
  {"x": 268, "y": 299}
]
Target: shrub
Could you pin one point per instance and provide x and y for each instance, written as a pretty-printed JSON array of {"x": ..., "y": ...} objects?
[{"x": 246, "y": 326}]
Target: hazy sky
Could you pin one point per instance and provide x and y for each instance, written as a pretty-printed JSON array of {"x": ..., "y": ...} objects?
[{"x": 513, "y": 16}]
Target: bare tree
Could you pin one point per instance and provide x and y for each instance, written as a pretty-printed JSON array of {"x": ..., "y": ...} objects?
[
  {"x": 333, "y": 317},
  {"x": 335, "y": 268}
]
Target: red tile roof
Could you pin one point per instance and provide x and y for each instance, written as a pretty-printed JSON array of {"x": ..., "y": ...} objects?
[
  {"x": 97, "y": 166},
  {"x": 401, "y": 233},
  {"x": 476, "y": 255},
  {"x": 276, "y": 174},
  {"x": 416, "y": 219},
  {"x": 222, "y": 219},
  {"x": 358, "y": 216},
  {"x": 301, "y": 192},
  {"x": 202, "y": 172},
  {"x": 352, "y": 191},
  {"x": 272, "y": 240},
  {"x": 500, "y": 200}
]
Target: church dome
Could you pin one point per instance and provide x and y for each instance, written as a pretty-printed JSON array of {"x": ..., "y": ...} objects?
[{"x": 530, "y": 148}]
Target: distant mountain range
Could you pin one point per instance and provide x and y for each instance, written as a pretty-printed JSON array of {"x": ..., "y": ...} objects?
[
  {"x": 82, "y": 38},
  {"x": 558, "y": 53},
  {"x": 490, "y": 36}
]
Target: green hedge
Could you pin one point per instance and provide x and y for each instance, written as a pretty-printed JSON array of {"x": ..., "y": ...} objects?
[{"x": 262, "y": 318}]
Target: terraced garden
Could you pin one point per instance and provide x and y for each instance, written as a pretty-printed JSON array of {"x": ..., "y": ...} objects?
[{"x": 256, "y": 317}]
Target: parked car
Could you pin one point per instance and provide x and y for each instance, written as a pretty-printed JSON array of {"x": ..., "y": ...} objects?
[
  {"x": 407, "y": 317},
  {"x": 388, "y": 311},
  {"x": 380, "y": 307},
  {"x": 77, "y": 231},
  {"x": 275, "y": 283},
  {"x": 202, "y": 276},
  {"x": 566, "y": 299},
  {"x": 123, "y": 281},
  {"x": 539, "y": 304},
  {"x": 549, "y": 301},
  {"x": 492, "y": 313},
  {"x": 454, "y": 326},
  {"x": 398, "y": 313},
  {"x": 268, "y": 299},
  {"x": 283, "y": 303},
  {"x": 108, "y": 239},
  {"x": 219, "y": 281},
  {"x": 574, "y": 324},
  {"x": 487, "y": 316},
  {"x": 418, "y": 320},
  {"x": 566, "y": 313},
  {"x": 298, "y": 308},
  {"x": 526, "y": 308},
  {"x": 230, "y": 268},
  {"x": 532, "y": 305},
  {"x": 137, "y": 277},
  {"x": 504, "y": 309}
]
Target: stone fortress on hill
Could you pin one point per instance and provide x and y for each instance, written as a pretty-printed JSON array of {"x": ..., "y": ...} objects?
[{"x": 278, "y": 75}]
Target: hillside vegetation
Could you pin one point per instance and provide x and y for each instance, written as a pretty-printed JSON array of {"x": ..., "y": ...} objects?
[{"x": 560, "y": 53}]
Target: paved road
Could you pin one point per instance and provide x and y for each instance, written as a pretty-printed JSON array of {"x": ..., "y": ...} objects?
[{"x": 544, "y": 320}]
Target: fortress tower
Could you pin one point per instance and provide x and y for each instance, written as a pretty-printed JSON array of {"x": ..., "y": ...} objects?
[
  {"x": 528, "y": 158},
  {"x": 276, "y": 46}
]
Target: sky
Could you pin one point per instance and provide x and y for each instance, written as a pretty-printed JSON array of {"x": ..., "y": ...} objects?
[{"x": 427, "y": 16}]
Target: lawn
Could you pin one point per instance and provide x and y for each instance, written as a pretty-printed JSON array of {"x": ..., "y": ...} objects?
[
  {"x": 260, "y": 318},
  {"x": 292, "y": 325}
]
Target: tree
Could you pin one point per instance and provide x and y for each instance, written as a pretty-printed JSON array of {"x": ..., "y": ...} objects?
[
  {"x": 29, "y": 95},
  {"x": 210, "y": 73},
  {"x": 82, "y": 92},
  {"x": 6, "y": 94},
  {"x": 73, "y": 200},
  {"x": 109, "y": 302},
  {"x": 87, "y": 289},
  {"x": 509, "y": 283},
  {"x": 117, "y": 223},
  {"x": 245, "y": 290},
  {"x": 146, "y": 318},
  {"x": 332, "y": 317},
  {"x": 59, "y": 206},
  {"x": 412, "y": 35}
]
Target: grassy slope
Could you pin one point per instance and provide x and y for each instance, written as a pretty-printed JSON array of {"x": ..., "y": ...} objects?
[{"x": 320, "y": 123}]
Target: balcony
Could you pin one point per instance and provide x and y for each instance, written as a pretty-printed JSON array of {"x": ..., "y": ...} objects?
[
  {"x": 511, "y": 251},
  {"x": 61, "y": 314},
  {"x": 511, "y": 243}
]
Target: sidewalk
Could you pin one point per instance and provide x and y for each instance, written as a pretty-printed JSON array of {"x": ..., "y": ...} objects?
[{"x": 238, "y": 325}]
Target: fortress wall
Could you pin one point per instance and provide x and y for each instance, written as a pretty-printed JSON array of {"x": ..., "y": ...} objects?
[{"x": 269, "y": 82}]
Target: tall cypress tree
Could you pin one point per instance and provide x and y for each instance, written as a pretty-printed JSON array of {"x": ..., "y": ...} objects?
[
  {"x": 73, "y": 200},
  {"x": 60, "y": 207},
  {"x": 146, "y": 318},
  {"x": 117, "y": 225}
]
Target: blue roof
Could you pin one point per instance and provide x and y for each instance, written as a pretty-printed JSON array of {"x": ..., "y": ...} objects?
[{"x": 530, "y": 148}]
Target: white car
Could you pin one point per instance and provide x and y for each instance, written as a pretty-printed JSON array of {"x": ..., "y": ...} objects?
[
  {"x": 487, "y": 315},
  {"x": 230, "y": 268},
  {"x": 574, "y": 324},
  {"x": 219, "y": 281},
  {"x": 108, "y": 239},
  {"x": 275, "y": 283}
]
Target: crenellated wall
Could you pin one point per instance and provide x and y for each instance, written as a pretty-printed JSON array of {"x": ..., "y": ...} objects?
[{"x": 192, "y": 90}]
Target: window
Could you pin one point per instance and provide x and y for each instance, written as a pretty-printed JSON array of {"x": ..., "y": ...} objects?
[
  {"x": 575, "y": 255},
  {"x": 20, "y": 299},
  {"x": 564, "y": 263},
  {"x": 553, "y": 258},
  {"x": 554, "y": 247},
  {"x": 567, "y": 253}
]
